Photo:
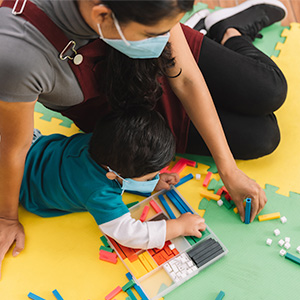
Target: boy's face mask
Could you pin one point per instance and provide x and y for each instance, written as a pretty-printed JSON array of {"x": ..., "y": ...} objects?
[
  {"x": 147, "y": 48},
  {"x": 137, "y": 186}
]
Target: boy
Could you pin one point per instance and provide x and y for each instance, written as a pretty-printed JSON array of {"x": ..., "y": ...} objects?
[{"x": 89, "y": 172}]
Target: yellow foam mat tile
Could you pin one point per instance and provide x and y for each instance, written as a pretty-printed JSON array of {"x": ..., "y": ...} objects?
[{"x": 282, "y": 167}]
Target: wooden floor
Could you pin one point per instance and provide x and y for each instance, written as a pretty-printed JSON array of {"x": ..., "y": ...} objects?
[{"x": 293, "y": 7}]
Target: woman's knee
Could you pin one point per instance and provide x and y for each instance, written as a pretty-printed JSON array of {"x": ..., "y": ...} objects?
[
  {"x": 273, "y": 92},
  {"x": 259, "y": 142}
]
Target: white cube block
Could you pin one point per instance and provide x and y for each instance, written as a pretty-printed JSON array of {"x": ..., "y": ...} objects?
[
  {"x": 172, "y": 275},
  {"x": 287, "y": 239},
  {"x": 283, "y": 219},
  {"x": 282, "y": 252},
  {"x": 281, "y": 243},
  {"x": 171, "y": 246},
  {"x": 175, "y": 269},
  {"x": 190, "y": 263},
  {"x": 298, "y": 249},
  {"x": 181, "y": 268},
  {"x": 269, "y": 242},
  {"x": 183, "y": 258},
  {"x": 220, "y": 202},
  {"x": 198, "y": 176},
  {"x": 168, "y": 268},
  {"x": 287, "y": 246},
  {"x": 276, "y": 232}
]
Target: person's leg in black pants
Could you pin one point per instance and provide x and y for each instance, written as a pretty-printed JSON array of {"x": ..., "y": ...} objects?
[
  {"x": 246, "y": 87},
  {"x": 245, "y": 84}
]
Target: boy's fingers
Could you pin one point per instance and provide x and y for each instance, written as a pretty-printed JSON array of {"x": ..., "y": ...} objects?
[
  {"x": 202, "y": 226},
  {"x": 174, "y": 177},
  {"x": 165, "y": 185},
  {"x": 198, "y": 234}
]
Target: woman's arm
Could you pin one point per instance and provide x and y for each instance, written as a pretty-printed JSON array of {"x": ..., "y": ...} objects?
[
  {"x": 191, "y": 89},
  {"x": 16, "y": 131}
]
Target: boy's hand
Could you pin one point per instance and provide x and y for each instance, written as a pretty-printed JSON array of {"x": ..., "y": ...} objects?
[
  {"x": 191, "y": 224},
  {"x": 165, "y": 180},
  {"x": 186, "y": 225}
]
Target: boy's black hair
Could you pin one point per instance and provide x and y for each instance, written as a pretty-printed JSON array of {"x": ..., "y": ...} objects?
[{"x": 133, "y": 142}]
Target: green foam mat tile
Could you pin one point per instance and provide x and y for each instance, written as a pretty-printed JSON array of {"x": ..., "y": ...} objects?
[
  {"x": 195, "y": 9},
  {"x": 251, "y": 269},
  {"x": 271, "y": 36},
  {"x": 49, "y": 114}
]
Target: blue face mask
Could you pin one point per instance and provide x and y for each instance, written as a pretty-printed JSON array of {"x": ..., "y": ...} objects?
[
  {"x": 147, "y": 48},
  {"x": 137, "y": 186}
]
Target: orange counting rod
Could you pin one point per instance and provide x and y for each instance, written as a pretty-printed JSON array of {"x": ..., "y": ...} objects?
[
  {"x": 159, "y": 258},
  {"x": 269, "y": 217},
  {"x": 118, "y": 249},
  {"x": 124, "y": 251}
]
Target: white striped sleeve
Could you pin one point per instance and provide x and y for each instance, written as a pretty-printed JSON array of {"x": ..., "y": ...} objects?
[{"x": 136, "y": 234}]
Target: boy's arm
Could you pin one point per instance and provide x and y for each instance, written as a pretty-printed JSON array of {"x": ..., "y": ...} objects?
[
  {"x": 134, "y": 233},
  {"x": 153, "y": 234}
]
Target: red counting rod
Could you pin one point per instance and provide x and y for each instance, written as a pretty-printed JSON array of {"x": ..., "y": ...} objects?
[
  {"x": 207, "y": 179},
  {"x": 155, "y": 206},
  {"x": 144, "y": 213}
]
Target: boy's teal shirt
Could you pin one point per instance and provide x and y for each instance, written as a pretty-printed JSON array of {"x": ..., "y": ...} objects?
[{"x": 60, "y": 177}]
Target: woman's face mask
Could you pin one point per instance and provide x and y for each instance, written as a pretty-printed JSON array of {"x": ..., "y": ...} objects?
[
  {"x": 137, "y": 186},
  {"x": 147, "y": 48}
]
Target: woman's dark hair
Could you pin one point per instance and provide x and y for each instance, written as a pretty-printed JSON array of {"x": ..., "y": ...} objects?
[
  {"x": 147, "y": 12},
  {"x": 136, "y": 79},
  {"x": 133, "y": 143}
]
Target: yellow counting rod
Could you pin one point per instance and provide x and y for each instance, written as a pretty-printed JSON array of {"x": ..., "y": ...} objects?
[
  {"x": 269, "y": 217},
  {"x": 136, "y": 268},
  {"x": 210, "y": 195}
]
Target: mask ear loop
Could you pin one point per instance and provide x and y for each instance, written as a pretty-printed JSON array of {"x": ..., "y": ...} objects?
[
  {"x": 117, "y": 25},
  {"x": 116, "y": 22},
  {"x": 100, "y": 31},
  {"x": 110, "y": 170}
]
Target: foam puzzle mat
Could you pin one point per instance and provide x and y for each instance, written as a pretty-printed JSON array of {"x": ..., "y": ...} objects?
[{"x": 63, "y": 253}]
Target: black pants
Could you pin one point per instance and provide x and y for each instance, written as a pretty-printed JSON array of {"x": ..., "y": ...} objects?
[{"x": 246, "y": 87}]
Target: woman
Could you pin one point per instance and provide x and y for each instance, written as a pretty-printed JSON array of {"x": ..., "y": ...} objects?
[{"x": 50, "y": 52}]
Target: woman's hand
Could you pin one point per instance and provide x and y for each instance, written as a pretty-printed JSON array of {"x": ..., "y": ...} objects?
[
  {"x": 10, "y": 231},
  {"x": 165, "y": 180},
  {"x": 240, "y": 187}
]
